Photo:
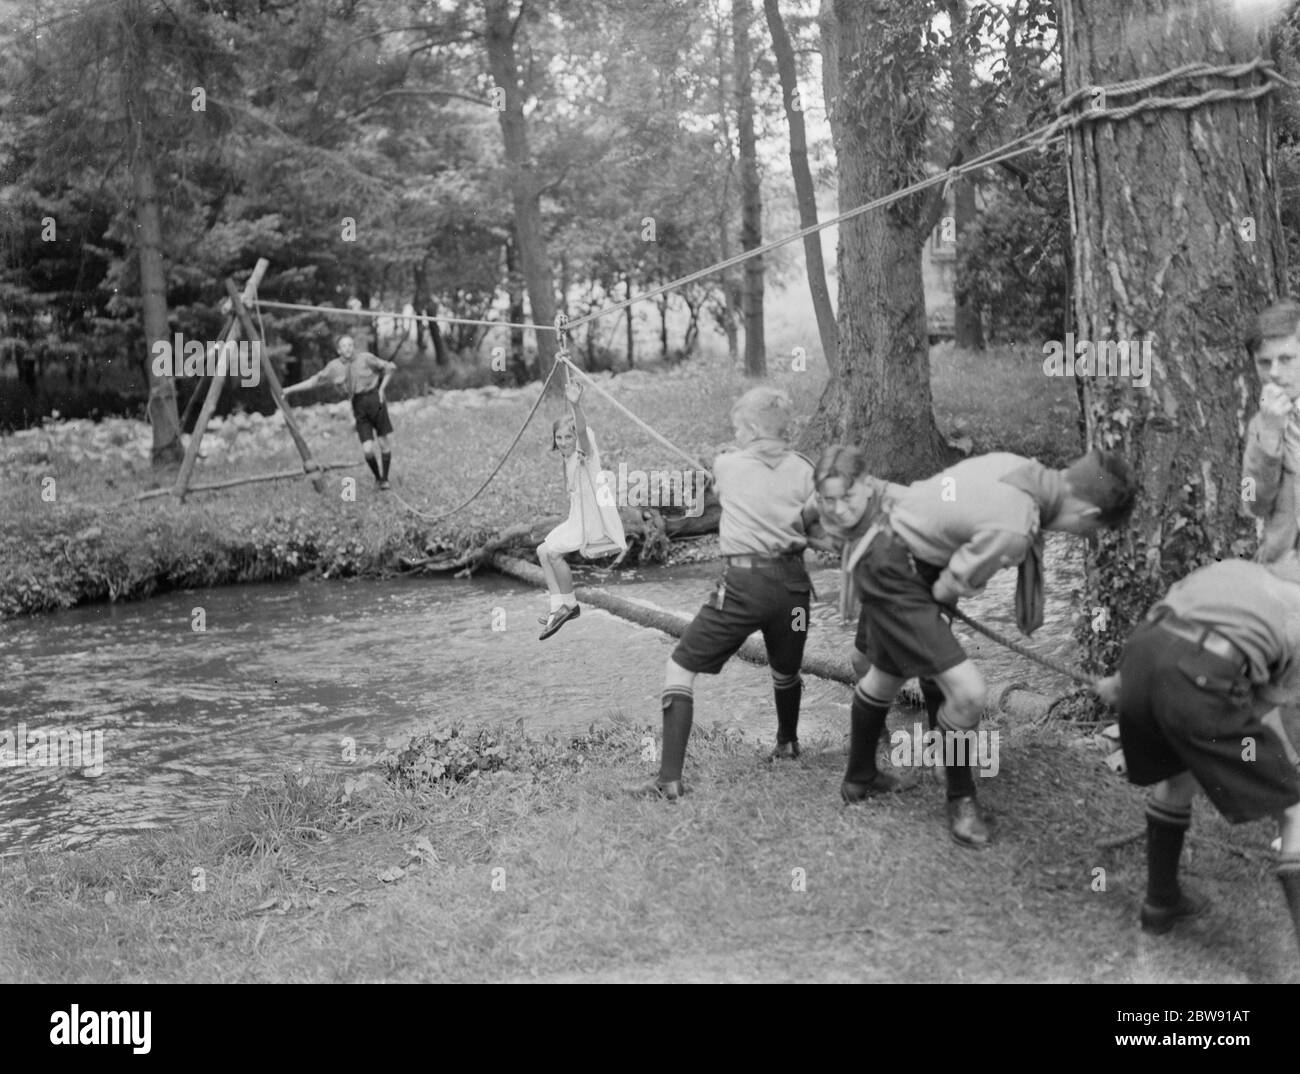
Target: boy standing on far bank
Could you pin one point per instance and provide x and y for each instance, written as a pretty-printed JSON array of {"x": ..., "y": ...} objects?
[{"x": 363, "y": 376}]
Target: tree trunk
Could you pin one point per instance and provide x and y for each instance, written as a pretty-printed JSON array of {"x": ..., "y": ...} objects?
[
  {"x": 967, "y": 329},
  {"x": 751, "y": 193},
  {"x": 1158, "y": 203},
  {"x": 425, "y": 305},
  {"x": 729, "y": 311},
  {"x": 880, "y": 397},
  {"x": 515, "y": 289},
  {"x": 524, "y": 186},
  {"x": 631, "y": 334},
  {"x": 805, "y": 193},
  {"x": 163, "y": 416},
  {"x": 662, "y": 303}
]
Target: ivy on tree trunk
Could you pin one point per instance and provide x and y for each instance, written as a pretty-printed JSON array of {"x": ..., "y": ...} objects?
[{"x": 1177, "y": 241}]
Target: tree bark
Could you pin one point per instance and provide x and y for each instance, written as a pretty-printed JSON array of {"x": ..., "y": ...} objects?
[
  {"x": 515, "y": 289},
  {"x": 880, "y": 397},
  {"x": 163, "y": 417},
  {"x": 751, "y": 192},
  {"x": 967, "y": 329},
  {"x": 631, "y": 328},
  {"x": 805, "y": 193},
  {"x": 728, "y": 310},
  {"x": 524, "y": 185},
  {"x": 1158, "y": 204},
  {"x": 425, "y": 305}
]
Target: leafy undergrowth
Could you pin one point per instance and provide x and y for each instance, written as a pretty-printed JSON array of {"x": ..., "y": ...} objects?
[{"x": 539, "y": 868}]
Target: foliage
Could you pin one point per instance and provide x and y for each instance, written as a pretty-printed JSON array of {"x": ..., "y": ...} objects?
[
  {"x": 1012, "y": 267},
  {"x": 444, "y": 757}
]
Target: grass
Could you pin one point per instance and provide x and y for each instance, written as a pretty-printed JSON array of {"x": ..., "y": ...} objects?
[
  {"x": 70, "y": 533},
  {"x": 544, "y": 871}
]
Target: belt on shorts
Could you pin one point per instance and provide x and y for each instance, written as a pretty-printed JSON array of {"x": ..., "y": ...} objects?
[
  {"x": 1206, "y": 637},
  {"x": 763, "y": 561}
]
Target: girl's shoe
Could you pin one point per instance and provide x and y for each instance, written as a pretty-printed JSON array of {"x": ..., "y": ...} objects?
[{"x": 558, "y": 618}]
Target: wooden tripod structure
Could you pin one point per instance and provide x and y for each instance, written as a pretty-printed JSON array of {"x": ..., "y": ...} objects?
[{"x": 241, "y": 322}]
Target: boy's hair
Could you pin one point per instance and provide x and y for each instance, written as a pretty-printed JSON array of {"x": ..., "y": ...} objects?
[
  {"x": 555, "y": 428},
  {"x": 769, "y": 410},
  {"x": 1105, "y": 480},
  {"x": 1275, "y": 322},
  {"x": 844, "y": 461}
]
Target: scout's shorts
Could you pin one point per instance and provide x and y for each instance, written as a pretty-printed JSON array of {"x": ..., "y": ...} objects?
[
  {"x": 900, "y": 628},
  {"x": 371, "y": 415},
  {"x": 772, "y": 597},
  {"x": 1183, "y": 709}
]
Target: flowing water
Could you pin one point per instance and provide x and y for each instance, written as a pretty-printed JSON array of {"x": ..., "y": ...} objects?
[{"x": 282, "y": 675}]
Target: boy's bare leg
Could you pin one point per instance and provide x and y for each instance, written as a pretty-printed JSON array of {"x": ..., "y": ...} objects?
[
  {"x": 1288, "y": 864},
  {"x": 964, "y": 692},
  {"x": 679, "y": 713}
]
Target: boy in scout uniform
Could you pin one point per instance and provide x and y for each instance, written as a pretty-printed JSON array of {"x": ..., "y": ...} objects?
[
  {"x": 1195, "y": 679},
  {"x": 363, "y": 377},
  {"x": 943, "y": 539},
  {"x": 763, "y": 489},
  {"x": 1271, "y": 465}
]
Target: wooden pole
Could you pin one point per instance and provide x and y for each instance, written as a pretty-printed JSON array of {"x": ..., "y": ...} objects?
[
  {"x": 279, "y": 475},
  {"x": 214, "y": 393},
  {"x": 309, "y": 465}
]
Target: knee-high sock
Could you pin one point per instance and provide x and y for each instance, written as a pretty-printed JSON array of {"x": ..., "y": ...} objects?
[
  {"x": 866, "y": 721},
  {"x": 387, "y": 457},
  {"x": 933, "y": 700},
  {"x": 374, "y": 466},
  {"x": 787, "y": 689},
  {"x": 679, "y": 711},
  {"x": 1166, "y": 827},
  {"x": 1288, "y": 874},
  {"x": 956, "y": 748}
]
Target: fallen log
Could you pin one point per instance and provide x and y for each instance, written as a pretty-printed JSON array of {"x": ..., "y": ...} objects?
[
  {"x": 644, "y": 528},
  {"x": 1008, "y": 698}
]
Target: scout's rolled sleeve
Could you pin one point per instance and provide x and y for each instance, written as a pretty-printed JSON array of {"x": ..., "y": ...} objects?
[
  {"x": 980, "y": 558},
  {"x": 1262, "y": 464}
]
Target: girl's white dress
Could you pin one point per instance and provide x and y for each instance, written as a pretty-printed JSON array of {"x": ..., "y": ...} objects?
[{"x": 593, "y": 526}]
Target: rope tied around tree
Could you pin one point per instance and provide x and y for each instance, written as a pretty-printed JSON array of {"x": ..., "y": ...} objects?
[{"x": 1101, "y": 110}]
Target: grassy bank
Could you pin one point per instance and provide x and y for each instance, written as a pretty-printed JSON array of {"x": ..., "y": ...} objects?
[
  {"x": 533, "y": 866},
  {"x": 69, "y": 533}
]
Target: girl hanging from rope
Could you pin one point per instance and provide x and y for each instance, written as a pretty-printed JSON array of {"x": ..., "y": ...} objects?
[{"x": 593, "y": 526}]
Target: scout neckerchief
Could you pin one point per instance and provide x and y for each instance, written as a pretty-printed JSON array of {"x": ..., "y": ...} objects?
[
  {"x": 1047, "y": 489},
  {"x": 853, "y": 544}
]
